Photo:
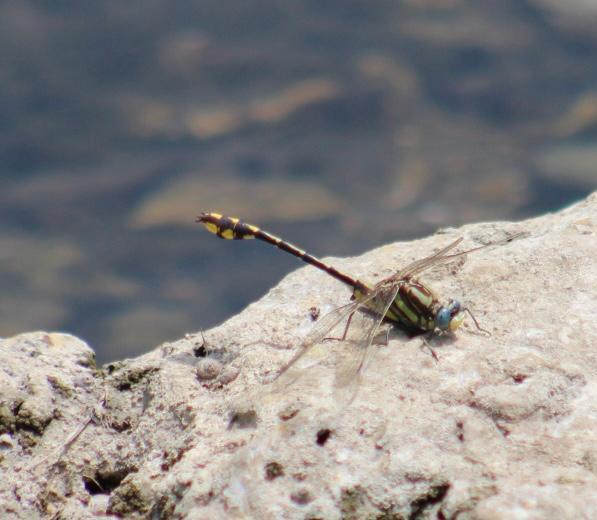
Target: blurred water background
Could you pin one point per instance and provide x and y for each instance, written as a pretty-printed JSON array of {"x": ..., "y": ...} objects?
[{"x": 340, "y": 125}]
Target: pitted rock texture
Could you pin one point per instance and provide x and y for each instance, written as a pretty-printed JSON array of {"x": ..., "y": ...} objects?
[{"x": 500, "y": 426}]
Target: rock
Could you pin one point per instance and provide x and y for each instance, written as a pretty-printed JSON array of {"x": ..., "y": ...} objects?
[{"x": 500, "y": 426}]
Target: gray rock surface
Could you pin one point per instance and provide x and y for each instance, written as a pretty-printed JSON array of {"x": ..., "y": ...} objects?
[{"x": 500, "y": 426}]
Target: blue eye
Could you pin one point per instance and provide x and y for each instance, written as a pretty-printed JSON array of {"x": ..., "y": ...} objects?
[
  {"x": 454, "y": 306},
  {"x": 442, "y": 319}
]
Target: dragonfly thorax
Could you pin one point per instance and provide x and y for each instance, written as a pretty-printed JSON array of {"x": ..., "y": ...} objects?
[{"x": 416, "y": 307}]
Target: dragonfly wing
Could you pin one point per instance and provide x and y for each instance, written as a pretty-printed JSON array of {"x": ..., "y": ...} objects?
[
  {"x": 358, "y": 351},
  {"x": 326, "y": 325},
  {"x": 442, "y": 257},
  {"x": 324, "y": 328},
  {"x": 422, "y": 264}
]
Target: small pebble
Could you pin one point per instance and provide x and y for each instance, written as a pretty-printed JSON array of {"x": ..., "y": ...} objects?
[{"x": 208, "y": 369}]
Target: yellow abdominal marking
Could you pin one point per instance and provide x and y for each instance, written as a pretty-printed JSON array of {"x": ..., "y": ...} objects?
[{"x": 212, "y": 228}]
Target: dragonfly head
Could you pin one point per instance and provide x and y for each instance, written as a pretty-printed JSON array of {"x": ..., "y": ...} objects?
[{"x": 450, "y": 317}]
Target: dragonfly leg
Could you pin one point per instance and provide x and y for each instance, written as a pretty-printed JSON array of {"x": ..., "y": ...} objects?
[
  {"x": 426, "y": 343},
  {"x": 345, "y": 333},
  {"x": 476, "y": 322}
]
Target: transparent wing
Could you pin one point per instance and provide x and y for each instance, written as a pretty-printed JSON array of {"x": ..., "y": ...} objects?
[
  {"x": 324, "y": 328},
  {"x": 326, "y": 325},
  {"x": 358, "y": 351},
  {"x": 422, "y": 264},
  {"x": 442, "y": 257}
]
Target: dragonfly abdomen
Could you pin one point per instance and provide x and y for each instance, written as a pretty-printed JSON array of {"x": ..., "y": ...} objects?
[{"x": 231, "y": 228}]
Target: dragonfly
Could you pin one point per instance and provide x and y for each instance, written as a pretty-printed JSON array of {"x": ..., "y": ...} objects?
[{"x": 400, "y": 299}]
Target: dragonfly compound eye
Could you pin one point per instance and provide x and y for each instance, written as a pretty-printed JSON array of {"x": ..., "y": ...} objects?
[{"x": 443, "y": 317}]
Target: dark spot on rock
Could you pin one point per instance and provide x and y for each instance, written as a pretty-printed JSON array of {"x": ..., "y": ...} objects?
[
  {"x": 323, "y": 436},
  {"x": 113, "y": 367},
  {"x": 93, "y": 487},
  {"x": 103, "y": 482},
  {"x": 120, "y": 422},
  {"x": 244, "y": 419},
  {"x": 288, "y": 413},
  {"x": 434, "y": 495},
  {"x": 460, "y": 431},
  {"x": 200, "y": 351},
  {"x": 519, "y": 378},
  {"x": 273, "y": 470},
  {"x": 301, "y": 497}
]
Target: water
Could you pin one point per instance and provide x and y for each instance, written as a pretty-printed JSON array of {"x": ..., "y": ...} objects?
[{"x": 338, "y": 125}]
